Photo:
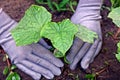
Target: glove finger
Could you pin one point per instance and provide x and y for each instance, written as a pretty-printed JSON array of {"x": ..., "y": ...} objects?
[
  {"x": 97, "y": 51},
  {"x": 34, "y": 75},
  {"x": 42, "y": 62},
  {"x": 47, "y": 55},
  {"x": 77, "y": 44},
  {"x": 1, "y": 10},
  {"x": 80, "y": 54},
  {"x": 44, "y": 44},
  {"x": 88, "y": 56},
  {"x": 37, "y": 68}
]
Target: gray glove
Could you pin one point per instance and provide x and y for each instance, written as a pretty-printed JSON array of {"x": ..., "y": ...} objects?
[
  {"x": 88, "y": 15},
  {"x": 34, "y": 60}
]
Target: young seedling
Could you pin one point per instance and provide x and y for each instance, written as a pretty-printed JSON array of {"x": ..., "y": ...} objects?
[
  {"x": 93, "y": 76},
  {"x": 37, "y": 24},
  {"x": 8, "y": 70},
  {"x": 11, "y": 75}
]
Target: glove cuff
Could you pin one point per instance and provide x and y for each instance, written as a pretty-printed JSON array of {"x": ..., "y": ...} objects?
[
  {"x": 6, "y": 24},
  {"x": 87, "y": 10}
]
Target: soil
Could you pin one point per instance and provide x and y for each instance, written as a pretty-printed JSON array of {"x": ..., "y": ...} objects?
[{"x": 105, "y": 63}]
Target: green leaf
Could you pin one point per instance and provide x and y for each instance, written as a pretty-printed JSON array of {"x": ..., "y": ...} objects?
[
  {"x": 86, "y": 34},
  {"x": 74, "y": 3},
  {"x": 50, "y": 4},
  {"x": 118, "y": 47},
  {"x": 118, "y": 56},
  {"x": 115, "y": 3},
  {"x": 115, "y": 15},
  {"x": 13, "y": 76},
  {"x": 6, "y": 70},
  {"x": 56, "y": 6},
  {"x": 118, "y": 52},
  {"x": 61, "y": 34},
  {"x": 29, "y": 28},
  {"x": 66, "y": 61},
  {"x": 90, "y": 76},
  {"x": 63, "y": 3},
  {"x": 13, "y": 67}
]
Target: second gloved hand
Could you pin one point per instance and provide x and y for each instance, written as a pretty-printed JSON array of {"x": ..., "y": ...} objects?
[
  {"x": 35, "y": 60},
  {"x": 88, "y": 15}
]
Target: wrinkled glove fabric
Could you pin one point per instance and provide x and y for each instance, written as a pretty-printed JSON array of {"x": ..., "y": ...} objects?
[
  {"x": 35, "y": 60},
  {"x": 88, "y": 15}
]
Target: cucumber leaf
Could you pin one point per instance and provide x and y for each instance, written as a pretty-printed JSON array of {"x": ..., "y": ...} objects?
[
  {"x": 28, "y": 29},
  {"x": 61, "y": 34},
  {"x": 13, "y": 76},
  {"x": 85, "y": 34},
  {"x": 115, "y": 15}
]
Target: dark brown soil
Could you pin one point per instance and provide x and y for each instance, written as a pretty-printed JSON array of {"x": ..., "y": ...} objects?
[{"x": 105, "y": 63}]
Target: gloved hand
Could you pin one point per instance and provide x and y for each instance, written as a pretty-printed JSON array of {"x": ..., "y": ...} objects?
[
  {"x": 88, "y": 15},
  {"x": 34, "y": 60}
]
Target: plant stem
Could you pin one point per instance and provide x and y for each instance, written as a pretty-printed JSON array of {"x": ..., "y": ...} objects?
[
  {"x": 71, "y": 7},
  {"x": 99, "y": 72},
  {"x": 8, "y": 63},
  {"x": 7, "y": 60},
  {"x": 117, "y": 33}
]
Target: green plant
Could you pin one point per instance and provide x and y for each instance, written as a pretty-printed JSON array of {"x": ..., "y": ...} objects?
[
  {"x": 90, "y": 76},
  {"x": 118, "y": 52},
  {"x": 115, "y": 3},
  {"x": 59, "y": 32},
  {"x": 11, "y": 74},
  {"x": 60, "y": 5},
  {"x": 115, "y": 16},
  {"x": 9, "y": 70},
  {"x": 37, "y": 24},
  {"x": 93, "y": 76}
]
